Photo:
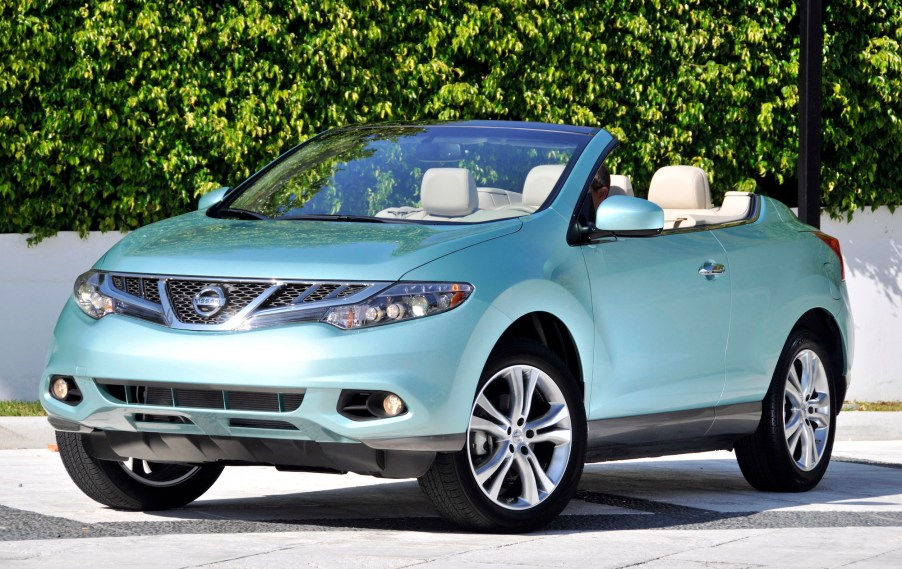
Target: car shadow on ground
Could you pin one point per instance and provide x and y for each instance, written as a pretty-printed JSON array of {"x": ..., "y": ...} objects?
[{"x": 666, "y": 493}]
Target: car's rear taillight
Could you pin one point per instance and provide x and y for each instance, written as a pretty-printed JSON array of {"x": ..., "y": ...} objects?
[{"x": 833, "y": 243}]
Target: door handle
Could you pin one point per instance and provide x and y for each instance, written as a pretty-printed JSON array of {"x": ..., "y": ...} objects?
[{"x": 712, "y": 269}]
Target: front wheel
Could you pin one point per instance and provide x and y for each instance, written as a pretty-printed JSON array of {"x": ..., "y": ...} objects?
[
  {"x": 134, "y": 484},
  {"x": 791, "y": 449},
  {"x": 525, "y": 446}
]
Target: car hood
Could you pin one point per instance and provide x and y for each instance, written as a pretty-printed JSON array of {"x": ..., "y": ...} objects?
[{"x": 195, "y": 244}]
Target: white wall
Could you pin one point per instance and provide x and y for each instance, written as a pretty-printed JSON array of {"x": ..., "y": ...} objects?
[
  {"x": 34, "y": 284},
  {"x": 872, "y": 251},
  {"x": 36, "y": 281}
]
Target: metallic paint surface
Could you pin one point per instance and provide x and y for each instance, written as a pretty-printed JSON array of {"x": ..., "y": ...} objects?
[{"x": 651, "y": 334}]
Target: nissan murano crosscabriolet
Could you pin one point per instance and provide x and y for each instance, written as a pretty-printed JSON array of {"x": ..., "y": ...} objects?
[{"x": 480, "y": 305}]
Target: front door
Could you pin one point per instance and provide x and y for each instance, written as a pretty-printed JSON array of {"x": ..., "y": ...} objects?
[{"x": 661, "y": 326}]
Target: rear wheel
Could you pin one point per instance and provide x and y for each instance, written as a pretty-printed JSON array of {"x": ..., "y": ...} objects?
[
  {"x": 134, "y": 484},
  {"x": 791, "y": 449},
  {"x": 525, "y": 446}
]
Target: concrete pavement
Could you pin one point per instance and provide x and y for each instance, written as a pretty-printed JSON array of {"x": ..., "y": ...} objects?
[{"x": 686, "y": 511}]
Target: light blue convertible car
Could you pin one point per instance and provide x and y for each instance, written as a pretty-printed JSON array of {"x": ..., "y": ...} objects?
[{"x": 480, "y": 305}]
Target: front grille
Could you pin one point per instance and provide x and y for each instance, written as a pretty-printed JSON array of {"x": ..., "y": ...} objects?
[
  {"x": 287, "y": 295},
  {"x": 133, "y": 287},
  {"x": 196, "y": 303},
  {"x": 249, "y": 401},
  {"x": 155, "y": 396},
  {"x": 349, "y": 290},
  {"x": 139, "y": 287},
  {"x": 262, "y": 424},
  {"x": 152, "y": 290},
  {"x": 202, "y": 397},
  {"x": 321, "y": 292},
  {"x": 237, "y": 297},
  {"x": 171, "y": 419},
  {"x": 291, "y": 401}
]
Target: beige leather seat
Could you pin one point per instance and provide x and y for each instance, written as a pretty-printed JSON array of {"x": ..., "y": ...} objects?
[
  {"x": 539, "y": 183},
  {"x": 684, "y": 194},
  {"x": 536, "y": 188},
  {"x": 678, "y": 189},
  {"x": 448, "y": 193},
  {"x": 494, "y": 198},
  {"x": 621, "y": 186}
]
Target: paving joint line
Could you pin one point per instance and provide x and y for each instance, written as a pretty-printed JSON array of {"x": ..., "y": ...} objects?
[{"x": 867, "y": 462}]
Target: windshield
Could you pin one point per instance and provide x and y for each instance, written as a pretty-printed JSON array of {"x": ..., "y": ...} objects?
[{"x": 443, "y": 173}]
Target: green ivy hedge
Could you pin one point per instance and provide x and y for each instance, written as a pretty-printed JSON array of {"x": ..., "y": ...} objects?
[{"x": 115, "y": 114}]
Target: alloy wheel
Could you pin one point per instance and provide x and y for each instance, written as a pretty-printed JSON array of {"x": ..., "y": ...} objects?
[
  {"x": 806, "y": 410},
  {"x": 519, "y": 437}
]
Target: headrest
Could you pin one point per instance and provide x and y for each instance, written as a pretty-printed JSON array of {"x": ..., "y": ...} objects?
[
  {"x": 680, "y": 187},
  {"x": 620, "y": 186},
  {"x": 448, "y": 192},
  {"x": 539, "y": 183}
]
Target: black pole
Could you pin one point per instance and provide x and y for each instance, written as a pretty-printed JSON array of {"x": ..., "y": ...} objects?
[{"x": 810, "y": 134}]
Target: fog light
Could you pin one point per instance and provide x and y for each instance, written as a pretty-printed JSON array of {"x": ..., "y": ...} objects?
[
  {"x": 63, "y": 388},
  {"x": 370, "y": 405},
  {"x": 60, "y": 388},
  {"x": 393, "y": 405}
]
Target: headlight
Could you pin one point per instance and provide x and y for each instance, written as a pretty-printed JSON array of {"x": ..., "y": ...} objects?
[
  {"x": 403, "y": 301},
  {"x": 95, "y": 296},
  {"x": 89, "y": 297}
]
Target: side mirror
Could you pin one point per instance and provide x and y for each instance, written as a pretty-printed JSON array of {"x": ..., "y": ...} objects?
[
  {"x": 212, "y": 198},
  {"x": 626, "y": 216}
]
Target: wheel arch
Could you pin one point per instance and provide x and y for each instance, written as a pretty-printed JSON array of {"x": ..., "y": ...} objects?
[
  {"x": 822, "y": 323},
  {"x": 548, "y": 330}
]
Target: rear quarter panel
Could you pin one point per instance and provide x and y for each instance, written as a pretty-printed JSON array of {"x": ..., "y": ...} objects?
[{"x": 779, "y": 271}]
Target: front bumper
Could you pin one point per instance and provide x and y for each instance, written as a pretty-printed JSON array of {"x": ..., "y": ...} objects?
[
  {"x": 433, "y": 364},
  {"x": 284, "y": 454}
]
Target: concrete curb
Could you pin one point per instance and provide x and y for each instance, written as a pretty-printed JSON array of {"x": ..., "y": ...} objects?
[
  {"x": 869, "y": 426},
  {"x": 25, "y": 432},
  {"x": 36, "y": 432}
]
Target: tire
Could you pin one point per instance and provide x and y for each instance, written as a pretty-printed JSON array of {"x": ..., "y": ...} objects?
[
  {"x": 525, "y": 448},
  {"x": 134, "y": 484},
  {"x": 791, "y": 449}
]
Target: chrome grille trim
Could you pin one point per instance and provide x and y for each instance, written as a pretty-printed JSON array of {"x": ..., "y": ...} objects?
[
  {"x": 249, "y": 303},
  {"x": 239, "y": 296}
]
